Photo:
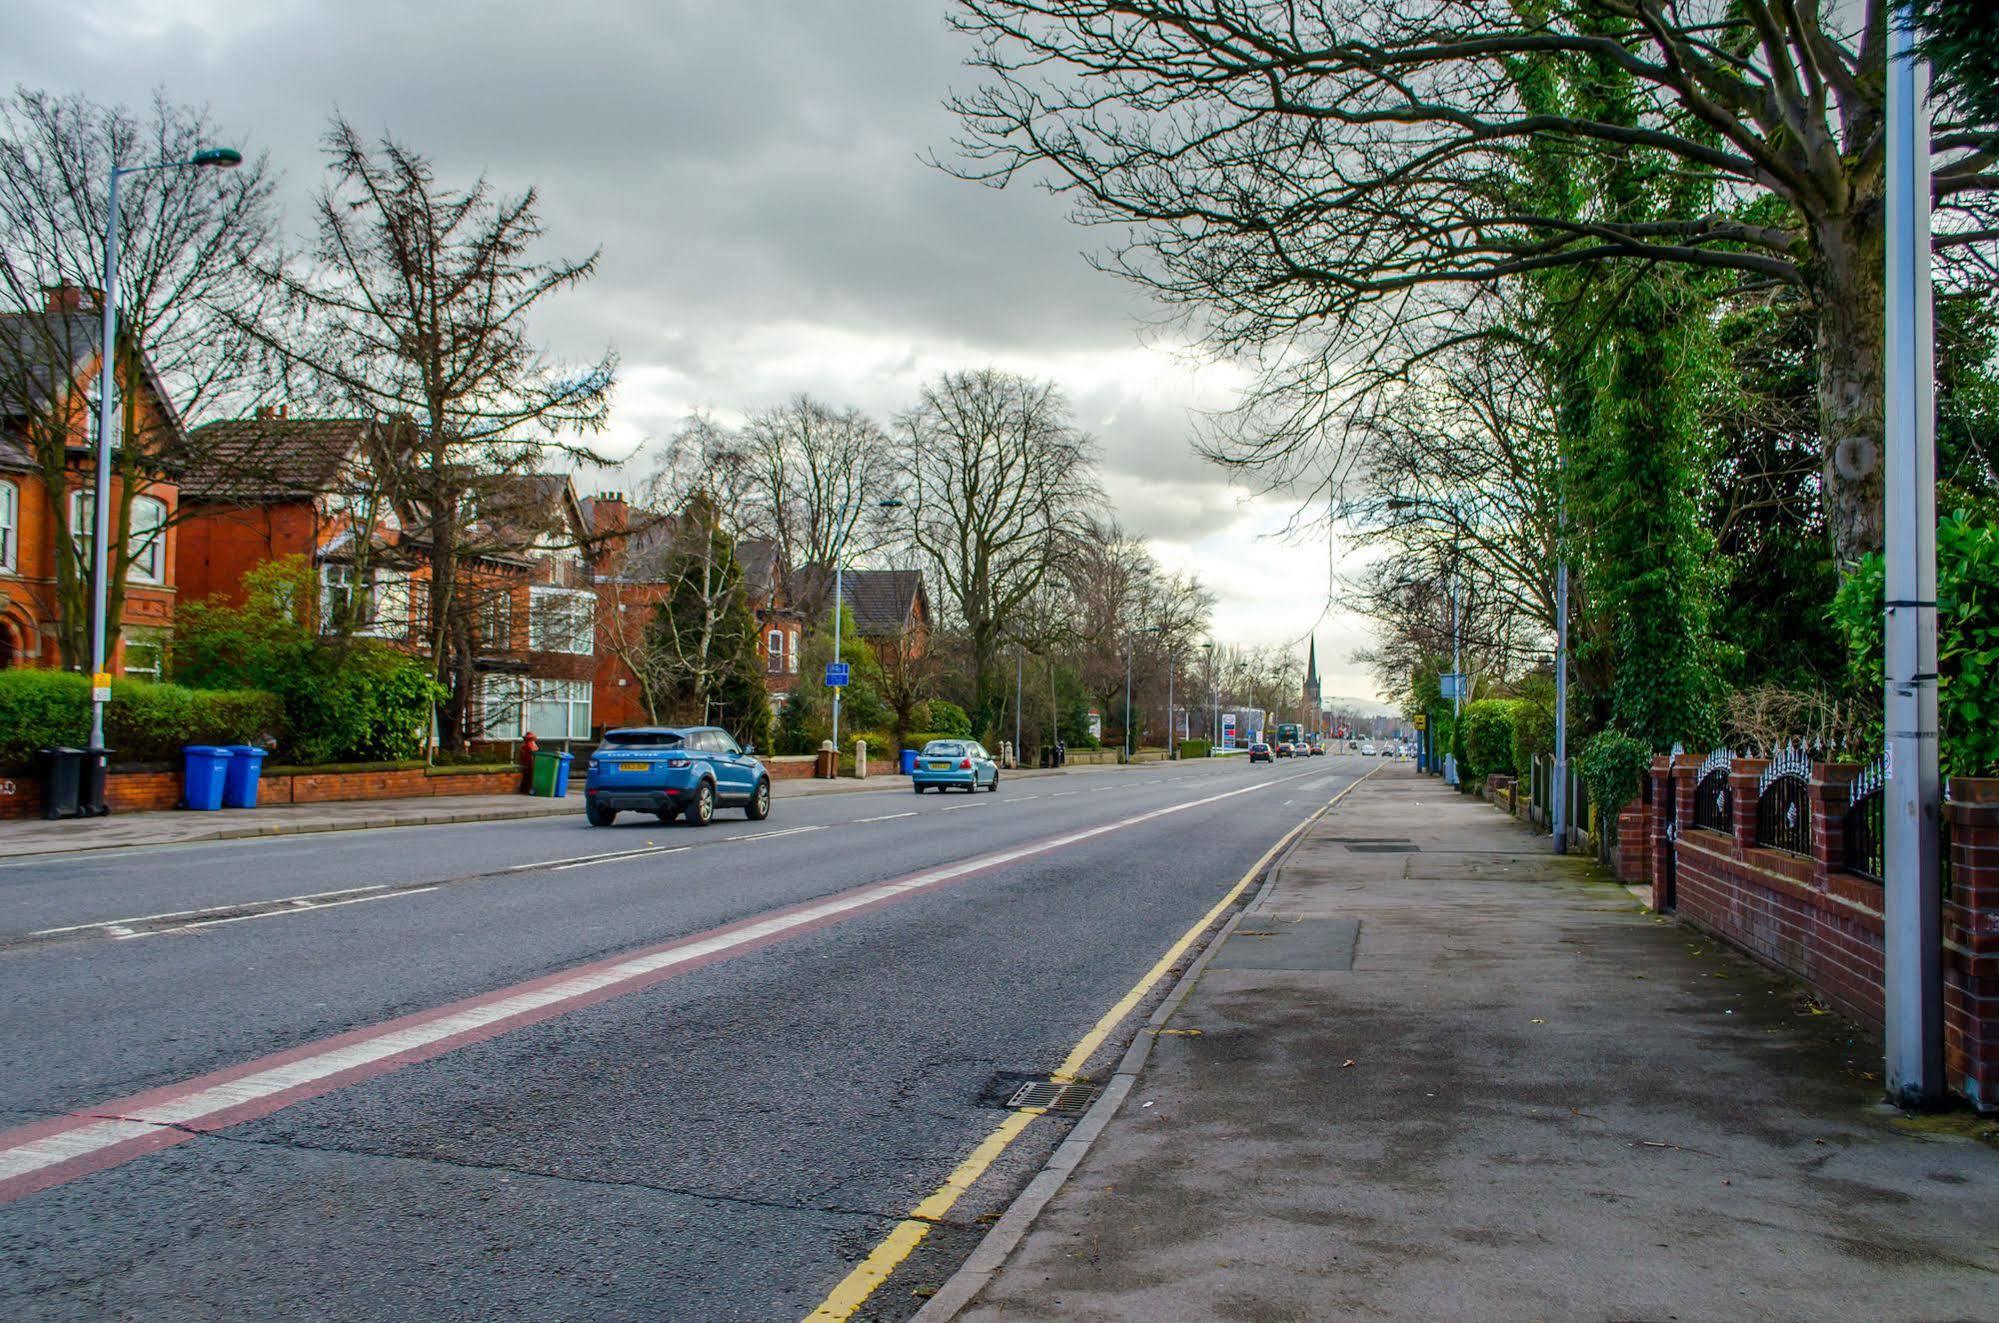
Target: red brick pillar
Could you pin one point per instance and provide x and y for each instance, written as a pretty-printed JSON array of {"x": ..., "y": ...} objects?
[
  {"x": 1742, "y": 778},
  {"x": 1831, "y": 794},
  {"x": 1971, "y": 942},
  {"x": 1658, "y": 829}
]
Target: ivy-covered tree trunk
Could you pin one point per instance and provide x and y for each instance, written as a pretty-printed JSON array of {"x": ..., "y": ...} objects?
[
  {"x": 1646, "y": 553},
  {"x": 1852, "y": 327}
]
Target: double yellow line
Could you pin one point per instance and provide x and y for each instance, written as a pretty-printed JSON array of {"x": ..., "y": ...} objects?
[{"x": 855, "y": 1288}]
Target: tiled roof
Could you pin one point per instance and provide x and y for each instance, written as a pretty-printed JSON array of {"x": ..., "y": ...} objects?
[
  {"x": 39, "y": 348},
  {"x": 881, "y": 600},
  {"x": 271, "y": 459}
]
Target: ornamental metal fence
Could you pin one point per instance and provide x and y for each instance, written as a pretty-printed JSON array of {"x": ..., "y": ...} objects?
[
  {"x": 1784, "y": 803},
  {"x": 1865, "y": 838},
  {"x": 1714, "y": 799}
]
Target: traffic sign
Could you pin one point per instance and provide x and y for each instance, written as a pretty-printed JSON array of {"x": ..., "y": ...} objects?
[
  {"x": 1453, "y": 685},
  {"x": 1422, "y": 721},
  {"x": 836, "y": 675}
]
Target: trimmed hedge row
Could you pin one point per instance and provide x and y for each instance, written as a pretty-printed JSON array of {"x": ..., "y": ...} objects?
[{"x": 144, "y": 722}]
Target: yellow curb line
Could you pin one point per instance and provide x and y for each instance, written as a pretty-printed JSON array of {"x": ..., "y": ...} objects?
[{"x": 854, "y": 1289}]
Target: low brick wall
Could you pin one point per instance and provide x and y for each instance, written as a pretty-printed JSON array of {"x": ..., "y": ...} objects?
[
  {"x": 1809, "y": 917},
  {"x": 149, "y": 791},
  {"x": 793, "y": 767}
]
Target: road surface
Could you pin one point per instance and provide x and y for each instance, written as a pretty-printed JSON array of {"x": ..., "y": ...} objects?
[{"x": 532, "y": 1070}]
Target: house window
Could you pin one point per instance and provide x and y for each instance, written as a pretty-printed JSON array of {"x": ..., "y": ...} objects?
[
  {"x": 146, "y": 545},
  {"x": 559, "y": 709},
  {"x": 561, "y": 620},
  {"x": 342, "y": 605},
  {"x": 791, "y": 655},
  {"x": 496, "y": 621},
  {"x": 145, "y": 655},
  {"x": 499, "y": 707},
  {"x": 10, "y": 525},
  {"x": 774, "y": 651},
  {"x": 390, "y": 599}
]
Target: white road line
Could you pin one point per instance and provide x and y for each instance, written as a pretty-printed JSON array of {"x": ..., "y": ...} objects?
[
  {"x": 1021, "y": 799},
  {"x": 767, "y": 835},
  {"x": 612, "y": 858},
  {"x": 1065, "y": 794},
  {"x": 888, "y": 817},
  {"x": 127, "y": 935},
  {"x": 181, "y": 914},
  {"x": 94, "y": 1135}
]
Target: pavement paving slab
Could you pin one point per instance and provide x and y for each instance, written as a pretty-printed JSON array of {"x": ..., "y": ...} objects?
[{"x": 1525, "y": 1098}]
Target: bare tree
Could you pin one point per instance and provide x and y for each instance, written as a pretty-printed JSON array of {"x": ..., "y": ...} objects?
[
  {"x": 415, "y": 305},
  {"x": 816, "y": 475},
  {"x": 1000, "y": 482},
  {"x": 1310, "y": 177},
  {"x": 187, "y": 292}
]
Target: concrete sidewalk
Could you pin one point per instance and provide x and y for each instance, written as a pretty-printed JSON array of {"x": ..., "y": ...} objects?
[
  {"x": 1437, "y": 1073},
  {"x": 33, "y": 836}
]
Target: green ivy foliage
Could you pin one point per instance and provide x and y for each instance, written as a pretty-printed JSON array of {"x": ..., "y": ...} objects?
[
  {"x": 1613, "y": 766},
  {"x": 1967, "y": 640},
  {"x": 949, "y": 719},
  {"x": 1533, "y": 735}
]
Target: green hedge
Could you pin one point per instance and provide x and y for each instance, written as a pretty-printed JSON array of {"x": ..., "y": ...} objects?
[
  {"x": 145, "y": 722},
  {"x": 949, "y": 718},
  {"x": 1488, "y": 738},
  {"x": 1533, "y": 735},
  {"x": 1613, "y": 765},
  {"x": 1195, "y": 749}
]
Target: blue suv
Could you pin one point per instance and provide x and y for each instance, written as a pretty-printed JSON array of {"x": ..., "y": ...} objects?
[{"x": 689, "y": 771}]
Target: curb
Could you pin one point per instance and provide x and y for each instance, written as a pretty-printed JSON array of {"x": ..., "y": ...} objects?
[
  {"x": 985, "y": 1262},
  {"x": 298, "y": 829}
]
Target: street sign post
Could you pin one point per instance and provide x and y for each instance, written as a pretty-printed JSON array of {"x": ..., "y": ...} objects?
[{"x": 836, "y": 675}]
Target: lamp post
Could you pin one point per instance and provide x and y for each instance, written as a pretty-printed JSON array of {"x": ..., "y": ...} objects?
[
  {"x": 839, "y": 549},
  {"x": 220, "y": 158},
  {"x": 1911, "y": 910}
]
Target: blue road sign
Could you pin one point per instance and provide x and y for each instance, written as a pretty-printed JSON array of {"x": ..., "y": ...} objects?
[{"x": 836, "y": 675}]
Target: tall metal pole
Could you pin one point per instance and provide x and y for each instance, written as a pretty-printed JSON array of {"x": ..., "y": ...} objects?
[
  {"x": 1912, "y": 913},
  {"x": 1457, "y": 682},
  {"x": 1019, "y": 669},
  {"x": 1129, "y": 648},
  {"x": 839, "y": 550},
  {"x": 1172, "y": 733},
  {"x": 107, "y": 412},
  {"x": 1561, "y": 802}
]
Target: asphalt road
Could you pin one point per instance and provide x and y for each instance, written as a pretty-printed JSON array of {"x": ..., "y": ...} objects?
[{"x": 737, "y": 1056}]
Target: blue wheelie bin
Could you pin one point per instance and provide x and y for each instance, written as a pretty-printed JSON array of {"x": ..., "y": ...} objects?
[
  {"x": 205, "y": 769},
  {"x": 239, "y": 785},
  {"x": 908, "y": 762},
  {"x": 562, "y": 774}
]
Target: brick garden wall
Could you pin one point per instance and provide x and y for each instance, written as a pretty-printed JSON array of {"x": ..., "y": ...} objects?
[
  {"x": 1809, "y": 917},
  {"x": 138, "y": 792}
]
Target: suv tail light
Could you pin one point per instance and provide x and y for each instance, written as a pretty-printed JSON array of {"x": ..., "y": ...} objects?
[
  {"x": 680, "y": 762},
  {"x": 965, "y": 765}
]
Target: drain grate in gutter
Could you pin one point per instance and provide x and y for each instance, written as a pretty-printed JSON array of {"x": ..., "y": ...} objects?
[{"x": 1067, "y": 1099}]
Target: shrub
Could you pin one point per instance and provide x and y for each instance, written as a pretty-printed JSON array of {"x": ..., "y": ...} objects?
[
  {"x": 361, "y": 703},
  {"x": 1488, "y": 737},
  {"x": 1613, "y": 765},
  {"x": 1196, "y": 749},
  {"x": 145, "y": 722},
  {"x": 1967, "y": 641},
  {"x": 1533, "y": 735},
  {"x": 950, "y": 719}
]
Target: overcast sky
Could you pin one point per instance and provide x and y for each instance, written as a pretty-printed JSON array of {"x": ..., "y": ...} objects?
[{"x": 754, "y": 173}]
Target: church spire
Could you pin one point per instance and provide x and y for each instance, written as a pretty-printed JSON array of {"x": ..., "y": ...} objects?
[{"x": 1312, "y": 663}]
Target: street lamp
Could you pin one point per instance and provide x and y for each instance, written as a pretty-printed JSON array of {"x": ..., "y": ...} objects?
[
  {"x": 218, "y": 158},
  {"x": 839, "y": 550}
]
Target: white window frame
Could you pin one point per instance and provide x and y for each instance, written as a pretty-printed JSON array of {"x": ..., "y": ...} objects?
[
  {"x": 10, "y": 526},
  {"x": 572, "y": 696},
  {"x": 500, "y": 714},
  {"x": 146, "y": 543},
  {"x": 158, "y": 644},
  {"x": 774, "y": 650},
  {"x": 583, "y": 642},
  {"x": 340, "y": 574},
  {"x": 791, "y": 654}
]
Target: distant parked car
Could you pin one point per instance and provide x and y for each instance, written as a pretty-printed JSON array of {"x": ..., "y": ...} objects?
[
  {"x": 1367, "y": 750},
  {"x": 1259, "y": 752},
  {"x": 685, "y": 771},
  {"x": 1318, "y": 750},
  {"x": 961, "y": 763}
]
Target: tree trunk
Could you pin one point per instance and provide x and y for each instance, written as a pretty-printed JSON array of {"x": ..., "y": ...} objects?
[{"x": 1852, "y": 345}]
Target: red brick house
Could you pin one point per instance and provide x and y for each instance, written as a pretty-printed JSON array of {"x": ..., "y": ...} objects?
[
  {"x": 313, "y": 492},
  {"x": 629, "y": 554},
  {"x": 49, "y": 366}
]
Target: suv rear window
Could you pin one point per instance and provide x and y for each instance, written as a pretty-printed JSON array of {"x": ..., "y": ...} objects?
[{"x": 656, "y": 739}]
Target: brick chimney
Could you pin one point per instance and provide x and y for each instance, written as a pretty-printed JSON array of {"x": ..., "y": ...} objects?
[
  {"x": 72, "y": 298},
  {"x": 610, "y": 516},
  {"x": 268, "y": 412}
]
